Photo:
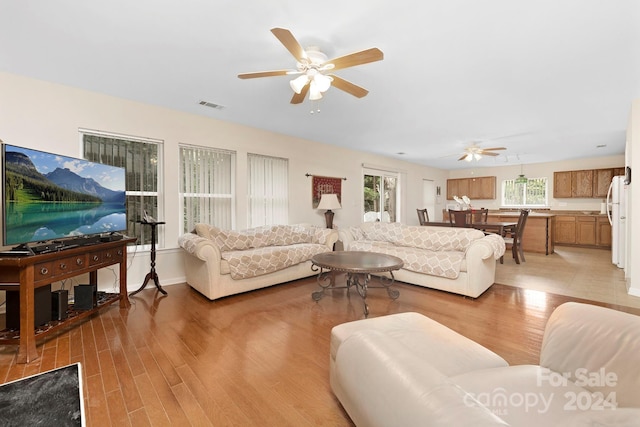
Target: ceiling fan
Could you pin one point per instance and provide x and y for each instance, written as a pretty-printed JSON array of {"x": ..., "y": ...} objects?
[
  {"x": 474, "y": 152},
  {"x": 313, "y": 66}
]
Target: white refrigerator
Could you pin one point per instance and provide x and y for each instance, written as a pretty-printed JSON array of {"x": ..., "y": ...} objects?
[{"x": 616, "y": 211}]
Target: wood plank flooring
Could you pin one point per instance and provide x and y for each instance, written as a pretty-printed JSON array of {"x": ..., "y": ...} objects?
[{"x": 259, "y": 358}]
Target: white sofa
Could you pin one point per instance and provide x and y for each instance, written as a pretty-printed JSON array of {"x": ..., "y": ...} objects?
[
  {"x": 408, "y": 370},
  {"x": 219, "y": 262},
  {"x": 458, "y": 260}
]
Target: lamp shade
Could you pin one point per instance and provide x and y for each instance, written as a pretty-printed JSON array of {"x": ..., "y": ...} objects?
[
  {"x": 323, "y": 83},
  {"x": 298, "y": 83},
  {"x": 521, "y": 179},
  {"x": 314, "y": 92},
  {"x": 329, "y": 202}
]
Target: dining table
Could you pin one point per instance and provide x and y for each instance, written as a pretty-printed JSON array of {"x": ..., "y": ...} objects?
[{"x": 497, "y": 227}]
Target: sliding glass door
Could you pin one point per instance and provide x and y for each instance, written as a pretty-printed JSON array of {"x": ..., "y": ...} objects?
[{"x": 380, "y": 196}]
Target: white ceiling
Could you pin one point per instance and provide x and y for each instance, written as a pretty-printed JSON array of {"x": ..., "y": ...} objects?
[{"x": 549, "y": 79}]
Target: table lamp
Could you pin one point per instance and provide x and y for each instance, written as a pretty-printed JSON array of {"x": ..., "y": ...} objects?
[{"x": 329, "y": 202}]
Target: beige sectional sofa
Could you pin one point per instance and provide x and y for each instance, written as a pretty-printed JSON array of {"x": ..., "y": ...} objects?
[
  {"x": 458, "y": 260},
  {"x": 408, "y": 370},
  {"x": 219, "y": 262}
]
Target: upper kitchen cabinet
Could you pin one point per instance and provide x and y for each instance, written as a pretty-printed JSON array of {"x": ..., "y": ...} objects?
[
  {"x": 590, "y": 183},
  {"x": 562, "y": 184},
  {"x": 482, "y": 187},
  {"x": 582, "y": 183},
  {"x": 601, "y": 181}
]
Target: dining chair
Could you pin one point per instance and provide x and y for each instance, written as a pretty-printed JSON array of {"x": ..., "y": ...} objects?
[
  {"x": 513, "y": 240},
  {"x": 480, "y": 215},
  {"x": 423, "y": 216},
  {"x": 460, "y": 218}
]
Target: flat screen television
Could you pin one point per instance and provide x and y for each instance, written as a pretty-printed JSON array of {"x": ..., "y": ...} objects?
[{"x": 52, "y": 197}]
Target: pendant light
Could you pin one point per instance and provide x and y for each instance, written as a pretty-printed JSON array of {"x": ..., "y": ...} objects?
[{"x": 521, "y": 179}]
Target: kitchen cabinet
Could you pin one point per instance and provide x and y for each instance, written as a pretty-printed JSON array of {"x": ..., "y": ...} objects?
[
  {"x": 483, "y": 187},
  {"x": 589, "y": 183},
  {"x": 603, "y": 232},
  {"x": 586, "y": 230},
  {"x": 601, "y": 181},
  {"x": 582, "y": 183},
  {"x": 457, "y": 187},
  {"x": 477, "y": 188},
  {"x": 583, "y": 230},
  {"x": 562, "y": 184},
  {"x": 565, "y": 229}
]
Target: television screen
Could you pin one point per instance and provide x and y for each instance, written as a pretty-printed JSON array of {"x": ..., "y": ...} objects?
[{"x": 48, "y": 196}]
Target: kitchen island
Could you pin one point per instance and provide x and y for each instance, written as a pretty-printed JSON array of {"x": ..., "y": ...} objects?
[{"x": 538, "y": 231}]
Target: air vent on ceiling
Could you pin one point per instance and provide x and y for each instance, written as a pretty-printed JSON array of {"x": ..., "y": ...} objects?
[{"x": 212, "y": 105}]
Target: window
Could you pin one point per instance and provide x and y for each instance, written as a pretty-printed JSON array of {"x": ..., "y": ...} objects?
[
  {"x": 380, "y": 196},
  {"x": 207, "y": 187},
  {"x": 141, "y": 159},
  {"x": 529, "y": 194},
  {"x": 268, "y": 190}
]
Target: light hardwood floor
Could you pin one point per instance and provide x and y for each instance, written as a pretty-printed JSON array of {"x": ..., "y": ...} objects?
[
  {"x": 261, "y": 358},
  {"x": 578, "y": 272}
]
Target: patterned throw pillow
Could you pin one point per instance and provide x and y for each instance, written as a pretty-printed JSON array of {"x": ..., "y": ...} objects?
[
  {"x": 357, "y": 233},
  {"x": 439, "y": 238},
  {"x": 284, "y": 235},
  {"x": 383, "y": 231},
  {"x": 206, "y": 230},
  {"x": 321, "y": 235}
]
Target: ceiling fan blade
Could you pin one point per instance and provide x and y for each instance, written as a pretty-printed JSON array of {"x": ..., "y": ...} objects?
[
  {"x": 290, "y": 42},
  {"x": 264, "y": 74},
  {"x": 299, "y": 97},
  {"x": 493, "y": 149},
  {"x": 348, "y": 87},
  {"x": 488, "y": 153},
  {"x": 464, "y": 156},
  {"x": 357, "y": 58}
]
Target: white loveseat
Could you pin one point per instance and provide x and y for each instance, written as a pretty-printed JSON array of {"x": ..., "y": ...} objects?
[
  {"x": 219, "y": 262},
  {"x": 408, "y": 370},
  {"x": 458, "y": 260}
]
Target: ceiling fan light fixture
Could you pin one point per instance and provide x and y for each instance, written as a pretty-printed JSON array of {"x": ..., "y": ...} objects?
[
  {"x": 477, "y": 156},
  {"x": 298, "y": 83},
  {"x": 314, "y": 92},
  {"x": 468, "y": 157},
  {"x": 322, "y": 82}
]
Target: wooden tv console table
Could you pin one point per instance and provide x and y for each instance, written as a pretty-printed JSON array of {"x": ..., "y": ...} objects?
[{"x": 26, "y": 273}]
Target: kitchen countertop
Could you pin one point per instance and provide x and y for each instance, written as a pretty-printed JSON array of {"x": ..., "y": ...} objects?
[
  {"x": 547, "y": 213},
  {"x": 517, "y": 213}
]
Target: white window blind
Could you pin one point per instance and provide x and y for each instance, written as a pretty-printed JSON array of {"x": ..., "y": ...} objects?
[
  {"x": 141, "y": 159},
  {"x": 207, "y": 187},
  {"x": 268, "y": 192}
]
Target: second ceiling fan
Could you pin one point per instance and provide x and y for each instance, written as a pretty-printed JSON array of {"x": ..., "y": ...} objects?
[
  {"x": 313, "y": 66},
  {"x": 475, "y": 152}
]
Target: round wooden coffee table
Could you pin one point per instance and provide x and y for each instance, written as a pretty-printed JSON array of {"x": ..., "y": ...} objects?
[{"x": 359, "y": 267}]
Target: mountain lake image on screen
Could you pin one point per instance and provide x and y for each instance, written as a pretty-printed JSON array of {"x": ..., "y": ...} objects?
[{"x": 48, "y": 196}]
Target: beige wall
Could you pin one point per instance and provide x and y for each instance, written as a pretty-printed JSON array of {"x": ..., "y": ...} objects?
[
  {"x": 47, "y": 116},
  {"x": 633, "y": 201}
]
